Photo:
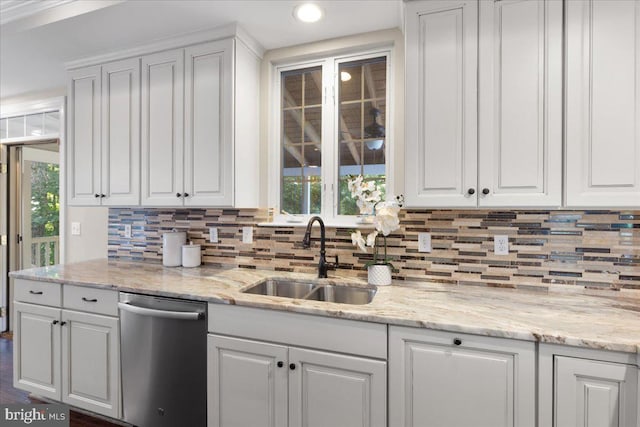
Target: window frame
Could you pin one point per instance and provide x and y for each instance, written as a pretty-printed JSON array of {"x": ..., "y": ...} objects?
[{"x": 330, "y": 64}]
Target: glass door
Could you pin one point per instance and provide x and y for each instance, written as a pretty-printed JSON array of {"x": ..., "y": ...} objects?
[{"x": 39, "y": 201}]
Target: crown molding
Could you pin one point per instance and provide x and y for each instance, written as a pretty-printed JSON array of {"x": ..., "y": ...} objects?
[{"x": 183, "y": 40}]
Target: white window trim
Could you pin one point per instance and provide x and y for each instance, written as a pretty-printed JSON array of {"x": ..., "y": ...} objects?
[{"x": 329, "y": 175}]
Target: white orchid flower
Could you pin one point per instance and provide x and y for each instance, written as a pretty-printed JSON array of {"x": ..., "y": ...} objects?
[
  {"x": 357, "y": 239},
  {"x": 386, "y": 219},
  {"x": 371, "y": 238}
]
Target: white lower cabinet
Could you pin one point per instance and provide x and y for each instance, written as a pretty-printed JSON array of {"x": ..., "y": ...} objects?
[
  {"x": 587, "y": 388},
  {"x": 279, "y": 383},
  {"x": 67, "y": 355},
  {"x": 447, "y": 379}
]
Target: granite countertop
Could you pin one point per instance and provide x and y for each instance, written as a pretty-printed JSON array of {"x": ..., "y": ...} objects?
[{"x": 601, "y": 320}]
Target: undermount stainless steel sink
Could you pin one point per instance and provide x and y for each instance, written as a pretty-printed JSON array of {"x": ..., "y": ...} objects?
[
  {"x": 281, "y": 288},
  {"x": 342, "y": 294}
]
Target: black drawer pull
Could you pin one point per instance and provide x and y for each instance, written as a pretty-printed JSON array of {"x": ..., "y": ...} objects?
[
  {"x": 457, "y": 341},
  {"x": 35, "y": 292},
  {"x": 63, "y": 323},
  {"x": 89, "y": 300},
  {"x": 292, "y": 366},
  {"x": 55, "y": 322},
  {"x": 280, "y": 364}
]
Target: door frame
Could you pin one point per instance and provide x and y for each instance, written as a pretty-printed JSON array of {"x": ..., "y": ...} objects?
[{"x": 8, "y": 262}]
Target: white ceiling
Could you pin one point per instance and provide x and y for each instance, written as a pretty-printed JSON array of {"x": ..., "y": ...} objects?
[{"x": 35, "y": 42}]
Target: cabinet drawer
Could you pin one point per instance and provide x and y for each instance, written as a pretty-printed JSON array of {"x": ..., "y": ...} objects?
[
  {"x": 45, "y": 293},
  {"x": 99, "y": 301}
]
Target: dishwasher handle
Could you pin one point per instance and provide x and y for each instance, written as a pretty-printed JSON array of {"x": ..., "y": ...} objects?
[{"x": 143, "y": 311}]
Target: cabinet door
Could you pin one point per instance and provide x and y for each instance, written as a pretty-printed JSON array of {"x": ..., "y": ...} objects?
[
  {"x": 209, "y": 124},
  {"x": 247, "y": 383},
  {"x": 83, "y": 137},
  {"x": 441, "y": 104},
  {"x": 443, "y": 379},
  {"x": 603, "y": 103},
  {"x": 162, "y": 128},
  {"x": 36, "y": 349},
  {"x": 591, "y": 393},
  {"x": 91, "y": 362},
  {"x": 121, "y": 133},
  {"x": 520, "y": 85},
  {"x": 327, "y": 389}
]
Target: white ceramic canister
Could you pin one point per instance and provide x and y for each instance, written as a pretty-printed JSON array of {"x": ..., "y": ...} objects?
[
  {"x": 191, "y": 255},
  {"x": 172, "y": 242}
]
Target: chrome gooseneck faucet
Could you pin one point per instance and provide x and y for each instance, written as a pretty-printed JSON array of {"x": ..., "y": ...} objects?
[{"x": 323, "y": 266}]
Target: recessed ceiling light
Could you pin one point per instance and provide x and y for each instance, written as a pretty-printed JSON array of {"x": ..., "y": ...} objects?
[
  {"x": 308, "y": 12},
  {"x": 344, "y": 76}
]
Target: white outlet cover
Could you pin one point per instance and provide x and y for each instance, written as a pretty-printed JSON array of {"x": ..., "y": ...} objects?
[
  {"x": 501, "y": 245},
  {"x": 424, "y": 242},
  {"x": 127, "y": 231},
  {"x": 247, "y": 234},
  {"x": 75, "y": 228},
  {"x": 213, "y": 235}
]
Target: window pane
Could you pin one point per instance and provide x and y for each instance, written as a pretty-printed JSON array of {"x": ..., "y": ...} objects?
[
  {"x": 301, "y": 141},
  {"x": 52, "y": 123},
  {"x": 16, "y": 127},
  {"x": 362, "y": 134},
  {"x": 34, "y": 123}
]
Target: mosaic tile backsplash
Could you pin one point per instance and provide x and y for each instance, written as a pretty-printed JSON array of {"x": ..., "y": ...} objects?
[{"x": 593, "y": 249}]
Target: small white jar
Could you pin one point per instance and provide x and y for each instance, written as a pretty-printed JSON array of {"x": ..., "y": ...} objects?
[{"x": 191, "y": 255}]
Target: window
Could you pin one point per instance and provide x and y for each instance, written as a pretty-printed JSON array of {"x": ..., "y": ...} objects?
[{"x": 332, "y": 126}]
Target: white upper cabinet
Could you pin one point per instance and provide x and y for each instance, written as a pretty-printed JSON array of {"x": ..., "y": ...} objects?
[
  {"x": 162, "y": 128},
  {"x": 441, "y": 103},
  {"x": 603, "y": 103},
  {"x": 208, "y": 152},
  {"x": 520, "y": 103},
  {"x": 121, "y": 133},
  {"x": 510, "y": 77},
  {"x": 170, "y": 128},
  {"x": 83, "y": 137},
  {"x": 103, "y": 148}
]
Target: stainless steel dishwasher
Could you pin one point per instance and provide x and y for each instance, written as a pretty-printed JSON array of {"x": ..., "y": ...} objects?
[{"x": 164, "y": 361}]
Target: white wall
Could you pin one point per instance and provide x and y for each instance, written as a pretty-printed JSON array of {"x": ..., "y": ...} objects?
[{"x": 92, "y": 242}]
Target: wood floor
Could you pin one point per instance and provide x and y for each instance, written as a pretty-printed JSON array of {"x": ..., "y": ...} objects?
[{"x": 9, "y": 395}]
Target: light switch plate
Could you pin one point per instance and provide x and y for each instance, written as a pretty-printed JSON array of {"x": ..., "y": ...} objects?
[
  {"x": 424, "y": 242},
  {"x": 127, "y": 231},
  {"x": 75, "y": 228},
  {"x": 501, "y": 245},
  {"x": 247, "y": 234},
  {"x": 213, "y": 235}
]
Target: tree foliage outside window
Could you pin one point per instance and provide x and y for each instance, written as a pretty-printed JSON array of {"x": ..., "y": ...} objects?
[{"x": 45, "y": 204}]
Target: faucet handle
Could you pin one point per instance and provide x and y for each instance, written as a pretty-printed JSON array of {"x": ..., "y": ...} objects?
[{"x": 335, "y": 264}]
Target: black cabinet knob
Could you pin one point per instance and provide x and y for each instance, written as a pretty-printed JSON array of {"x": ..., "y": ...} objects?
[
  {"x": 178, "y": 194},
  {"x": 292, "y": 366},
  {"x": 63, "y": 323},
  {"x": 96, "y": 195},
  {"x": 457, "y": 341},
  {"x": 485, "y": 191},
  {"x": 55, "y": 322},
  {"x": 280, "y": 364},
  {"x": 102, "y": 196},
  {"x": 471, "y": 191},
  {"x": 185, "y": 195}
]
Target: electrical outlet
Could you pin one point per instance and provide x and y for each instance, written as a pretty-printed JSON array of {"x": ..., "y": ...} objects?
[
  {"x": 247, "y": 234},
  {"x": 424, "y": 242},
  {"x": 75, "y": 228},
  {"x": 127, "y": 231},
  {"x": 213, "y": 235},
  {"x": 501, "y": 245}
]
